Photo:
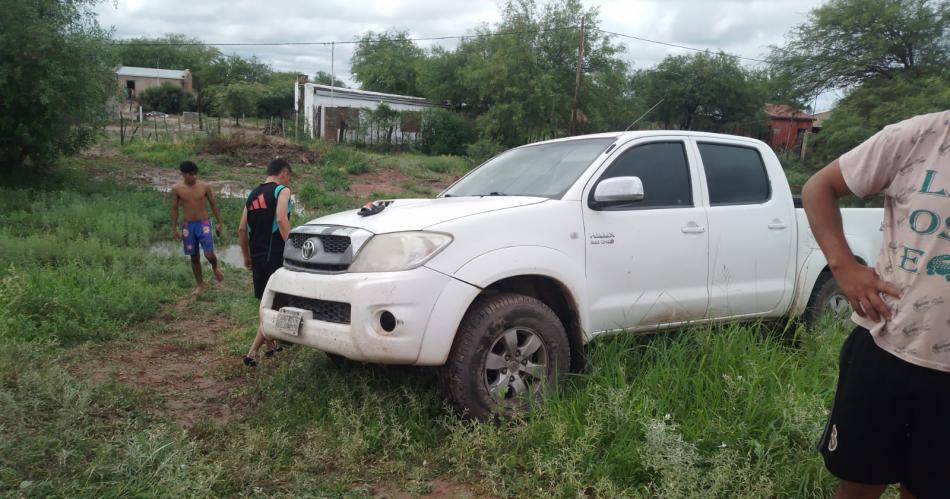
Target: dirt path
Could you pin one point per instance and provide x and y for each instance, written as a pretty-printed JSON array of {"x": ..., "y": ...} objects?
[{"x": 187, "y": 366}]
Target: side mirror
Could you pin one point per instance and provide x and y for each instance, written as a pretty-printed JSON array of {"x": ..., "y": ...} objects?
[{"x": 619, "y": 190}]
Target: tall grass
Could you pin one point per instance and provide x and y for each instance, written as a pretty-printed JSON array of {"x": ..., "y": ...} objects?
[{"x": 723, "y": 411}]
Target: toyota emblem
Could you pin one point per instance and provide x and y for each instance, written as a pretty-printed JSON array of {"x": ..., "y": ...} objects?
[{"x": 308, "y": 249}]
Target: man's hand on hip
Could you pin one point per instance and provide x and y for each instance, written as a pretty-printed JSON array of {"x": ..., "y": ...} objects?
[{"x": 864, "y": 289}]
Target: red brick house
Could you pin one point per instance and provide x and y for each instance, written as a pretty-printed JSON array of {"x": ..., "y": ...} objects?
[{"x": 787, "y": 127}]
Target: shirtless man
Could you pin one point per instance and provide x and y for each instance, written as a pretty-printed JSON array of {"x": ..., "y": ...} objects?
[{"x": 196, "y": 227}]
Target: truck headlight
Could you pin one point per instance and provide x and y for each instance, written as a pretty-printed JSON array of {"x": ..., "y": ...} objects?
[{"x": 399, "y": 251}]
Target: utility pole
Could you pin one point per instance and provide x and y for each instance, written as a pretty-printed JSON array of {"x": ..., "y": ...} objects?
[{"x": 572, "y": 127}]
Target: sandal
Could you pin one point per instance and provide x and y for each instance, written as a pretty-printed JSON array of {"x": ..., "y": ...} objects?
[{"x": 250, "y": 362}]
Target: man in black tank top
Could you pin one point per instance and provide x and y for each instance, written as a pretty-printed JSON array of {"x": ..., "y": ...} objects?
[{"x": 265, "y": 225}]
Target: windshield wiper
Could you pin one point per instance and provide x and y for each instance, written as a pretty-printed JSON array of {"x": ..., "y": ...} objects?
[{"x": 496, "y": 193}]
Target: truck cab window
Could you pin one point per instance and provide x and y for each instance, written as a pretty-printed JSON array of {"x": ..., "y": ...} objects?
[
  {"x": 664, "y": 171},
  {"x": 734, "y": 174}
]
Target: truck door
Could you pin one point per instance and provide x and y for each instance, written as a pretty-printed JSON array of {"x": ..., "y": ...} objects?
[
  {"x": 751, "y": 228},
  {"x": 647, "y": 260}
]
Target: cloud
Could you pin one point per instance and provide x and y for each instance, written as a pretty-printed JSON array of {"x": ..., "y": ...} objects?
[{"x": 741, "y": 27}]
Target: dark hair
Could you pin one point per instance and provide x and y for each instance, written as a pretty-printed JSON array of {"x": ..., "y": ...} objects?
[
  {"x": 278, "y": 165},
  {"x": 188, "y": 167}
]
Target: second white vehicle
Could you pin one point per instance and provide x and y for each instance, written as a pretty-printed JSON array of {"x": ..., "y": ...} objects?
[{"x": 505, "y": 276}]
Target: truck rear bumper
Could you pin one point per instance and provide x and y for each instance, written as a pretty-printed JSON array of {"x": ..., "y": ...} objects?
[{"x": 350, "y": 310}]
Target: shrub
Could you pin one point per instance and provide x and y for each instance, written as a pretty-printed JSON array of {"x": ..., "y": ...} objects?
[
  {"x": 167, "y": 98},
  {"x": 445, "y": 132},
  {"x": 482, "y": 150}
]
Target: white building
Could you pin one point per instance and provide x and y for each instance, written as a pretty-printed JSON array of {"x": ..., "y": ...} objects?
[{"x": 325, "y": 109}]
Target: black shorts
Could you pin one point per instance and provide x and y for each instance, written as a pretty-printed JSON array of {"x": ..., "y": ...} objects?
[
  {"x": 262, "y": 269},
  {"x": 890, "y": 422}
]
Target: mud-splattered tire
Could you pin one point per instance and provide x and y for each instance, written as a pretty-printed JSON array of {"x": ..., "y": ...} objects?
[
  {"x": 507, "y": 350},
  {"x": 827, "y": 299}
]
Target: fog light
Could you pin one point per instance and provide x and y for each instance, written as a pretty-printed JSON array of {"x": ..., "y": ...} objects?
[{"x": 387, "y": 321}]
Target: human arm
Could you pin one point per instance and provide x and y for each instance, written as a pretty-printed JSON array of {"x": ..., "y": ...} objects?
[
  {"x": 218, "y": 226},
  {"x": 174, "y": 215},
  {"x": 858, "y": 282},
  {"x": 283, "y": 216},
  {"x": 244, "y": 241}
]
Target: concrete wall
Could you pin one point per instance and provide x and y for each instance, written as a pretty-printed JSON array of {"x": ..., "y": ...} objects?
[
  {"x": 143, "y": 82},
  {"x": 317, "y": 103}
]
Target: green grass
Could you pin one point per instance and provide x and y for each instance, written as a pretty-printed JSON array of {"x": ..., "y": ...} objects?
[
  {"x": 169, "y": 152},
  {"x": 731, "y": 411}
]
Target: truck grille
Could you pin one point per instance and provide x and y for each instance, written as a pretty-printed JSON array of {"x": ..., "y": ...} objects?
[
  {"x": 323, "y": 310},
  {"x": 331, "y": 243}
]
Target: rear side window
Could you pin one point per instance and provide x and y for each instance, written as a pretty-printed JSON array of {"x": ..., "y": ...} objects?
[
  {"x": 664, "y": 171},
  {"x": 734, "y": 174}
]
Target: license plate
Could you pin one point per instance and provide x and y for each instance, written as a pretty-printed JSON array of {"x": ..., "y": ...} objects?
[{"x": 289, "y": 319}]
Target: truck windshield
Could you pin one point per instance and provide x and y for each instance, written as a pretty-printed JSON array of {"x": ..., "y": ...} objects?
[{"x": 543, "y": 170}]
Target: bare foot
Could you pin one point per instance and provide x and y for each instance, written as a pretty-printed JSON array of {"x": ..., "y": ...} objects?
[
  {"x": 218, "y": 275},
  {"x": 198, "y": 289}
]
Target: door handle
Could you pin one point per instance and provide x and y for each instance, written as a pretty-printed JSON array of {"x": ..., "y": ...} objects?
[
  {"x": 778, "y": 225},
  {"x": 693, "y": 228}
]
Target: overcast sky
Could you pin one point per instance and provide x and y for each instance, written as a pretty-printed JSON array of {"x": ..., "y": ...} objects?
[{"x": 741, "y": 27}]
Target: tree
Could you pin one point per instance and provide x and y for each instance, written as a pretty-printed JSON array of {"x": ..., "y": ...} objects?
[
  {"x": 55, "y": 79},
  {"x": 237, "y": 99},
  {"x": 387, "y": 62},
  {"x": 324, "y": 78},
  {"x": 517, "y": 78},
  {"x": 702, "y": 92},
  {"x": 233, "y": 69},
  {"x": 876, "y": 103},
  {"x": 446, "y": 132},
  {"x": 167, "y": 98},
  {"x": 172, "y": 51},
  {"x": 845, "y": 42}
]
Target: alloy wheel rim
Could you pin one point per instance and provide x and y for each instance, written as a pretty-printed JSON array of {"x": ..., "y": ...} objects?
[{"x": 516, "y": 365}]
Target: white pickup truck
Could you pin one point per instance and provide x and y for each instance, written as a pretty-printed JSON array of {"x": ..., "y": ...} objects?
[{"x": 506, "y": 275}]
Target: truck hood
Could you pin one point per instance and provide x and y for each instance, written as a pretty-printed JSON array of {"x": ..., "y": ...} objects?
[{"x": 418, "y": 214}]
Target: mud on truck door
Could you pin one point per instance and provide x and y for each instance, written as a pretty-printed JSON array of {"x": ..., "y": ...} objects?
[
  {"x": 647, "y": 259},
  {"x": 752, "y": 229}
]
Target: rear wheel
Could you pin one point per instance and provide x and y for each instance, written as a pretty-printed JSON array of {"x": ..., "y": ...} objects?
[
  {"x": 507, "y": 349},
  {"x": 827, "y": 299}
]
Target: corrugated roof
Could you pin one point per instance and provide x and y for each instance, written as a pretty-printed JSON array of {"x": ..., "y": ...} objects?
[
  {"x": 171, "y": 74},
  {"x": 366, "y": 94},
  {"x": 786, "y": 111}
]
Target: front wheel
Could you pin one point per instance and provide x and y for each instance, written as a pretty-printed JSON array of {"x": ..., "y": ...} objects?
[
  {"x": 507, "y": 349},
  {"x": 827, "y": 299}
]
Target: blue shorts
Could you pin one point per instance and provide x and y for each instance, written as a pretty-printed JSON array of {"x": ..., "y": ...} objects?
[{"x": 195, "y": 232}]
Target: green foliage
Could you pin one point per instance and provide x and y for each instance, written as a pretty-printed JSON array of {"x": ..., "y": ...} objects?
[
  {"x": 483, "y": 149},
  {"x": 878, "y": 102},
  {"x": 702, "y": 92},
  {"x": 386, "y": 62},
  {"x": 446, "y": 132},
  {"x": 235, "y": 69},
  {"x": 237, "y": 99},
  {"x": 323, "y": 201},
  {"x": 334, "y": 179},
  {"x": 845, "y": 42},
  {"x": 324, "y": 78},
  {"x": 74, "y": 265},
  {"x": 54, "y": 81},
  {"x": 167, "y": 98},
  {"x": 173, "y": 51}
]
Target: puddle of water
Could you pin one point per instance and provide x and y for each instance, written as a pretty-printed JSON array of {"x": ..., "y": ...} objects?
[
  {"x": 228, "y": 255},
  {"x": 222, "y": 188}
]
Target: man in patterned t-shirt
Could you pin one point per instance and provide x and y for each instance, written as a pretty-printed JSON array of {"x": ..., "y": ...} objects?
[{"x": 891, "y": 418}]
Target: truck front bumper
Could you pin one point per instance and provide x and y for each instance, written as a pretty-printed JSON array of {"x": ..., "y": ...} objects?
[{"x": 359, "y": 333}]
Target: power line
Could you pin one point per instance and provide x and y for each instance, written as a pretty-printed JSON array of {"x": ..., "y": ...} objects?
[
  {"x": 426, "y": 39},
  {"x": 351, "y": 42},
  {"x": 642, "y": 39}
]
